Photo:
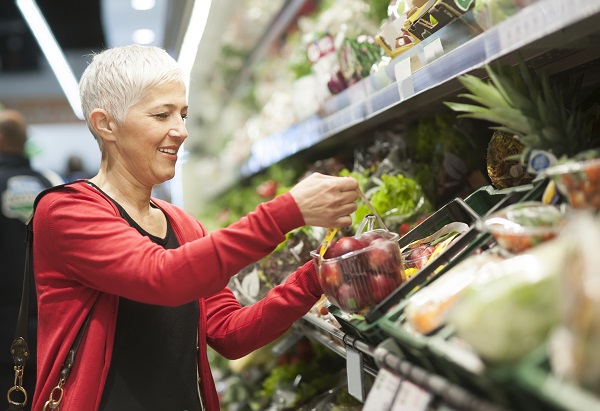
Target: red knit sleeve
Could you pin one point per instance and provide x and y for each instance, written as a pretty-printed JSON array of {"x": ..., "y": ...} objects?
[{"x": 235, "y": 331}]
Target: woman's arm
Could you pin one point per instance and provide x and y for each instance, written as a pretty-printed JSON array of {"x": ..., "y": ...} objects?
[{"x": 234, "y": 331}]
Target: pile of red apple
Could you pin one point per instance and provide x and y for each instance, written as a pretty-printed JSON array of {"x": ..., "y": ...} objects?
[
  {"x": 418, "y": 256},
  {"x": 357, "y": 273}
]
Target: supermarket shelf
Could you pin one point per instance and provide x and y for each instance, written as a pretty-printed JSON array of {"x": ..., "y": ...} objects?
[
  {"x": 280, "y": 23},
  {"x": 451, "y": 393},
  {"x": 533, "y": 32}
]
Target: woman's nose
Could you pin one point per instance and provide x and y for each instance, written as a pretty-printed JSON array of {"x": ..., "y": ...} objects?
[{"x": 179, "y": 131}]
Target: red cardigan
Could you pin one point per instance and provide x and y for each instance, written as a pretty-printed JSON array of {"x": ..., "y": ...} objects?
[{"x": 85, "y": 254}]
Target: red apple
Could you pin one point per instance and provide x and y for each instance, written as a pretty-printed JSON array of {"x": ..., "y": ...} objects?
[
  {"x": 329, "y": 251},
  {"x": 345, "y": 245},
  {"x": 330, "y": 275},
  {"x": 384, "y": 256},
  {"x": 381, "y": 285},
  {"x": 370, "y": 236},
  {"x": 352, "y": 297}
]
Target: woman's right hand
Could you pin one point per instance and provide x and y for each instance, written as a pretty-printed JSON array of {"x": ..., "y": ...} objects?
[{"x": 326, "y": 201}]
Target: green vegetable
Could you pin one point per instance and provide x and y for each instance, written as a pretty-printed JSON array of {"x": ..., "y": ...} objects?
[{"x": 395, "y": 199}]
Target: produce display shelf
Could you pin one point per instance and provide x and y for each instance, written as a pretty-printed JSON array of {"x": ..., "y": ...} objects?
[
  {"x": 381, "y": 356},
  {"x": 542, "y": 26}
]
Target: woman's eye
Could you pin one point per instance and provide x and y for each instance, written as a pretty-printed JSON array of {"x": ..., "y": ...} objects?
[
  {"x": 184, "y": 116},
  {"x": 162, "y": 115}
]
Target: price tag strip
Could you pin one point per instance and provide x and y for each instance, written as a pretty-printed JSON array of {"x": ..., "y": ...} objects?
[
  {"x": 411, "y": 397},
  {"x": 383, "y": 393}
]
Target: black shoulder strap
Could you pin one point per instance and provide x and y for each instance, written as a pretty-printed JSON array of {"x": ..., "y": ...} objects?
[{"x": 19, "y": 348}]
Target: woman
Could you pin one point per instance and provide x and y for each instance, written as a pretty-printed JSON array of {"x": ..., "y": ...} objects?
[{"x": 153, "y": 279}]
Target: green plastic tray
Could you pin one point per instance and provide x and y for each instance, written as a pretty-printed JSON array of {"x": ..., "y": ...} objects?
[
  {"x": 551, "y": 392},
  {"x": 413, "y": 345}
]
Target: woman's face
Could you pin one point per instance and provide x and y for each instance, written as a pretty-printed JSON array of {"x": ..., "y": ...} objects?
[{"x": 153, "y": 131}]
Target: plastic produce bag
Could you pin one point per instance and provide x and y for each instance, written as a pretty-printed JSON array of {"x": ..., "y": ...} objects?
[
  {"x": 428, "y": 308},
  {"x": 574, "y": 350},
  {"x": 512, "y": 309}
]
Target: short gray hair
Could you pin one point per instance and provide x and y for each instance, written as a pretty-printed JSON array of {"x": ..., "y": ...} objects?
[{"x": 118, "y": 78}]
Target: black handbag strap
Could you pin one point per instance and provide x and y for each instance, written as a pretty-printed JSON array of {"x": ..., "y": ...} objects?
[{"x": 19, "y": 348}]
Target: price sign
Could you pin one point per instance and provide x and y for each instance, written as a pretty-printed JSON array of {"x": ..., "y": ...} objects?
[
  {"x": 404, "y": 79},
  {"x": 411, "y": 397},
  {"x": 382, "y": 394}
]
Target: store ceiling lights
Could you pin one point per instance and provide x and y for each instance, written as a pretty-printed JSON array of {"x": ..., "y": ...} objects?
[
  {"x": 53, "y": 53},
  {"x": 143, "y": 36},
  {"x": 193, "y": 34},
  {"x": 143, "y": 4}
]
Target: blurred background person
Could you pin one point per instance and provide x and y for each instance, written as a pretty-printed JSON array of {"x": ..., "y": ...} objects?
[
  {"x": 75, "y": 169},
  {"x": 19, "y": 185}
]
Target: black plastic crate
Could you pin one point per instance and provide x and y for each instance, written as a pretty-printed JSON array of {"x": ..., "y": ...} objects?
[
  {"x": 487, "y": 199},
  {"x": 454, "y": 211}
]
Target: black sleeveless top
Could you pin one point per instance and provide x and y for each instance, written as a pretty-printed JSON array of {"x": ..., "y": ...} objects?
[{"x": 154, "y": 363}]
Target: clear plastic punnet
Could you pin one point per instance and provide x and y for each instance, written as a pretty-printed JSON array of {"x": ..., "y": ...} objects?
[{"x": 358, "y": 272}]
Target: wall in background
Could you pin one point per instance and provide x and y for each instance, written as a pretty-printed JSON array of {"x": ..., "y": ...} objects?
[{"x": 52, "y": 144}]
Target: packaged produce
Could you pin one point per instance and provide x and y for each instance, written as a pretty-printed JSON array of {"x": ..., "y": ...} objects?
[
  {"x": 427, "y": 309},
  {"x": 523, "y": 225},
  {"x": 358, "y": 272},
  {"x": 579, "y": 182},
  {"x": 505, "y": 315},
  {"x": 419, "y": 253},
  {"x": 357, "y": 57},
  {"x": 574, "y": 350}
]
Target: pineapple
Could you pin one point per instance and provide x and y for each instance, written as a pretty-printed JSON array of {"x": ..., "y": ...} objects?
[
  {"x": 543, "y": 115},
  {"x": 503, "y": 171}
]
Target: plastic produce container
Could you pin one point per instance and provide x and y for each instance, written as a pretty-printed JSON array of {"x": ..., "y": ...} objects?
[
  {"x": 579, "y": 182},
  {"x": 358, "y": 279},
  {"x": 523, "y": 225}
]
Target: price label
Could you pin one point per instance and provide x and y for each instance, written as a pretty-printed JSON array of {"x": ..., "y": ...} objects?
[
  {"x": 411, "y": 397},
  {"x": 384, "y": 390},
  {"x": 403, "y": 73},
  {"x": 354, "y": 369},
  {"x": 433, "y": 50}
]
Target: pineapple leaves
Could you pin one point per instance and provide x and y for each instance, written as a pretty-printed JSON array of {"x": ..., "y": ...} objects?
[
  {"x": 545, "y": 114},
  {"x": 483, "y": 93}
]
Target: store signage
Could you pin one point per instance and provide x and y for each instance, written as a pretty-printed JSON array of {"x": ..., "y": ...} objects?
[{"x": 320, "y": 47}]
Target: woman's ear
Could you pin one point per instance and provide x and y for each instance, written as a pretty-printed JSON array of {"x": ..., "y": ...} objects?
[{"x": 103, "y": 123}]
